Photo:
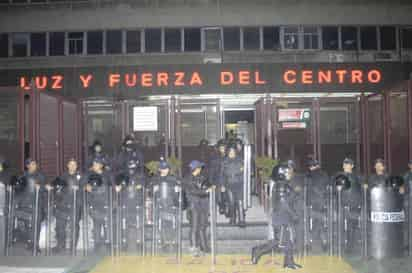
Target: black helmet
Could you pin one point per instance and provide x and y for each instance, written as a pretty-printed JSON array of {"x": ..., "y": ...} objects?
[
  {"x": 122, "y": 180},
  {"x": 279, "y": 172},
  {"x": 395, "y": 181},
  {"x": 95, "y": 180},
  {"x": 343, "y": 181},
  {"x": 59, "y": 183}
]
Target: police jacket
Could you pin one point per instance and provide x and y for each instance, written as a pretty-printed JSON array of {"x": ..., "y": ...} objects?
[
  {"x": 351, "y": 197},
  {"x": 283, "y": 203},
  {"x": 98, "y": 198},
  {"x": 64, "y": 194},
  {"x": 166, "y": 194},
  {"x": 216, "y": 170},
  {"x": 316, "y": 182},
  {"x": 233, "y": 172},
  {"x": 376, "y": 180},
  {"x": 26, "y": 188}
]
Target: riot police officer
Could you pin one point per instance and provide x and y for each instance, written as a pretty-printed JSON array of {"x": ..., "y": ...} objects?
[
  {"x": 68, "y": 204},
  {"x": 316, "y": 182},
  {"x": 166, "y": 189},
  {"x": 130, "y": 151},
  {"x": 29, "y": 204},
  {"x": 233, "y": 184},
  {"x": 216, "y": 174},
  {"x": 380, "y": 176},
  {"x": 98, "y": 185},
  {"x": 196, "y": 187},
  {"x": 96, "y": 151},
  {"x": 284, "y": 217}
]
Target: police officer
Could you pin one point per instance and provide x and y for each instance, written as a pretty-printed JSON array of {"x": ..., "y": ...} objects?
[
  {"x": 196, "y": 187},
  {"x": 31, "y": 182},
  {"x": 351, "y": 202},
  {"x": 216, "y": 174},
  {"x": 233, "y": 184},
  {"x": 96, "y": 151},
  {"x": 407, "y": 177},
  {"x": 68, "y": 204},
  {"x": 284, "y": 218},
  {"x": 98, "y": 185},
  {"x": 316, "y": 182},
  {"x": 130, "y": 151},
  {"x": 380, "y": 176},
  {"x": 166, "y": 189}
]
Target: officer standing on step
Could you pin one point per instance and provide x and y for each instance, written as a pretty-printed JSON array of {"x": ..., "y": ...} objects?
[
  {"x": 96, "y": 151},
  {"x": 233, "y": 184},
  {"x": 197, "y": 187},
  {"x": 284, "y": 218},
  {"x": 380, "y": 176},
  {"x": 68, "y": 204}
]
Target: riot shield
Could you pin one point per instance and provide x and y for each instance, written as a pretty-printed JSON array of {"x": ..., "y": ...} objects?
[
  {"x": 85, "y": 223},
  {"x": 213, "y": 215},
  {"x": 247, "y": 176},
  {"x": 49, "y": 211},
  {"x": 10, "y": 219},
  {"x": 35, "y": 220},
  {"x": 74, "y": 223}
]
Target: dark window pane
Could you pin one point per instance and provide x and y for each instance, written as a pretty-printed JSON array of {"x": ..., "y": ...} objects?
[
  {"x": 94, "y": 42},
  {"x": 388, "y": 38},
  {"x": 19, "y": 43},
  {"x": 251, "y": 38},
  {"x": 153, "y": 40},
  {"x": 56, "y": 43},
  {"x": 38, "y": 44},
  {"x": 368, "y": 38},
  {"x": 192, "y": 39},
  {"x": 291, "y": 38},
  {"x": 310, "y": 38},
  {"x": 271, "y": 39},
  {"x": 173, "y": 41},
  {"x": 231, "y": 38},
  {"x": 75, "y": 42},
  {"x": 4, "y": 45},
  {"x": 113, "y": 42},
  {"x": 212, "y": 39},
  {"x": 349, "y": 38},
  {"x": 133, "y": 41},
  {"x": 330, "y": 38},
  {"x": 407, "y": 38}
]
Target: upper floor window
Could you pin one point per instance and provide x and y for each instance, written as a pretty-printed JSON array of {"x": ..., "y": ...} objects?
[
  {"x": 310, "y": 38},
  {"x": 407, "y": 38},
  {"x": 291, "y": 37},
  {"x": 114, "y": 42},
  {"x": 4, "y": 45},
  {"x": 192, "y": 39},
  {"x": 330, "y": 38},
  {"x": 153, "y": 40},
  {"x": 369, "y": 38},
  {"x": 133, "y": 41},
  {"x": 271, "y": 38},
  {"x": 56, "y": 43},
  {"x": 173, "y": 40},
  {"x": 94, "y": 42},
  {"x": 349, "y": 38},
  {"x": 231, "y": 38},
  {"x": 251, "y": 38},
  {"x": 387, "y": 38},
  {"x": 20, "y": 44},
  {"x": 75, "y": 41},
  {"x": 38, "y": 44},
  {"x": 212, "y": 39}
]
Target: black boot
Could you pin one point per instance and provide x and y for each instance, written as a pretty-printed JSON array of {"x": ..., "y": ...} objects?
[
  {"x": 241, "y": 215},
  {"x": 260, "y": 250},
  {"x": 290, "y": 263}
]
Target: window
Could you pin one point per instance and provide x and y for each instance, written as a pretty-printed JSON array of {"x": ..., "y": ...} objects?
[
  {"x": 310, "y": 38},
  {"x": 56, "y": 43},
  {"x": 407, "y": 38},
  {"x": 4, "y": 45},
  {"x": 349, "y": 38},
  {"x": 153, "y": 40},
  {"x": 291, "y": 38},
  {"x": 20, "y": 43},
  {"x": 173, "y": 41},
  {"x": 369, "y": 39},
  {"x": 212, "y": 38},
  {"x": 330, "y": 38},
  {"x": 114, "y": 42},
  {"x": 251, "y": 38},
  {"x": 271, "y": 39},
  {"x": 133, "y": 41},
  {"x": 94, "y": 42},
  {"x": 192, "y": 39},
  {"x": 38, "y": 44},
  {"x": 75, "y": 42},
  {"x": 388, "y": 38},
  {"x": 231, "y": 38}
]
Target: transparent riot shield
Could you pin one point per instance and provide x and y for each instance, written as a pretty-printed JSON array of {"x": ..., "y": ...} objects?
[
  {"x": 85, "y": 223},
  {"x": 213, "y": 220},
  {"x": 247, "y": 176},
  {"x": 35, "y": 220},
  {"x": 49, "y": 212},
  {"x": 9, "y": 219}
]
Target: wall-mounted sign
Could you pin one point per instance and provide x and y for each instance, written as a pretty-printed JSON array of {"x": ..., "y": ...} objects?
[
  {"x": 145, "y": 118},
  {"x": 293, "y": 114},
  {"x": 293, "y": 125}
]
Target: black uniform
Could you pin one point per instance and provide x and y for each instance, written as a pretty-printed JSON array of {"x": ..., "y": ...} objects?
[
  {"x": 102, "y": 156},
  {"x": 68, "y": 207},
  {"x": 284, "y": 218},
  {"x": 316, "y": 185},
  {"x": 216, "y": 178},
  {"x": 167, "y": 200},
  {"x": 297, "y": 184},
  {"x": 377, "y": 180},
  {"x": 25, "y": 206},
  {"x": 196, "y": 191},
  {"x": 98, "y": 205},
  {"x": 233, "y": 181}
]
